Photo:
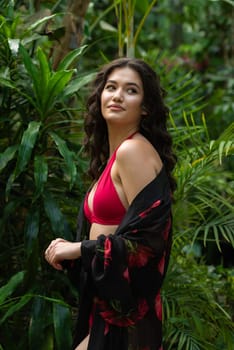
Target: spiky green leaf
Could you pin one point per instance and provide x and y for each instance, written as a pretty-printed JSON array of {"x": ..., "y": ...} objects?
[
  {"x": 76, "y": 84},
  {"x": 7, "y": 290},
  {"x": 40, "y": 173},
  {"x": 31, "y": 230},
  {"x": 16, "y": 306},
  {"x": 56, "y": 84},
  {"x": 58, "y": 221},
  {"x": 26, "y": 146},
  {"x": 62, "y": 326},
  {"x": 24, "y": 152},
  {"x": 71, "y": 57},
  {"x": 7, "y": 156},
  {"x": 68, "y": 156}
]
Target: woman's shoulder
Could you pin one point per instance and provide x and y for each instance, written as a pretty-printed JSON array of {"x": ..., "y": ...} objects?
[{"x": 139, "y": 150}]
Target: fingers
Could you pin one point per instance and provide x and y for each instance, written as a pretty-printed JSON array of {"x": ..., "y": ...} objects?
[{"x": 50, "y": 254}]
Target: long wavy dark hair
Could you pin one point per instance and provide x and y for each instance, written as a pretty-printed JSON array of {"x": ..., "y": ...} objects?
[{"x": 153, "y": 126}]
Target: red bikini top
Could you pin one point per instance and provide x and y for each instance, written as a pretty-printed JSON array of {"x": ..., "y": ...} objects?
[{"x": 107, "y": 206}]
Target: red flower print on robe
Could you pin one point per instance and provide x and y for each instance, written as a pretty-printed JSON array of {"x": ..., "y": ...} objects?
[
  {"x": 158, "y": 306},
  {"x": 113, "y": 314},
  {"x": 139, "y": 256},
  {"x": 161, "y": 264},
  {"x": 107, "y": 252}
]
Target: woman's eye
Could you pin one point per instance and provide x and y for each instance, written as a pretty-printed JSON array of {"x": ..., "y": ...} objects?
[
  {"x": 131, "y": 91},
  {"x": 110, "y": 87}
]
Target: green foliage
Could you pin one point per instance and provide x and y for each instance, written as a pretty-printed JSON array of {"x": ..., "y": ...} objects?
[
  {"x": 42, "y": 180},
  {"x": 125, "y": 11},
  {"x": 198, "y": 297},
  {"x": 196, "y": 302},
  {"x": 42, "y": 169}
]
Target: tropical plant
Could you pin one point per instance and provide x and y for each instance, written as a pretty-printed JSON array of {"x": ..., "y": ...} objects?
[
  {"x": 198, "y": 298},
  {"x": 42, "y": 176},
  {"x": 125, "y": 13}
]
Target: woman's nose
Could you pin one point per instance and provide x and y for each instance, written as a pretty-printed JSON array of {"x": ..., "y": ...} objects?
[{"x": 117, "y": 96}]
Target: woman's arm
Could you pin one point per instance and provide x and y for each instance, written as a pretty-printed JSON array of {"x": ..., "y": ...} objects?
[{"x": 137, "y": 164}]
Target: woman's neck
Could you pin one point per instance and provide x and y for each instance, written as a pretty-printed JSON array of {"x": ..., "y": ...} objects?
[{"x": 117, "y": 137}]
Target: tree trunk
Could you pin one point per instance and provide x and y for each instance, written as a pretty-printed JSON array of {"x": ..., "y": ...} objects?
[{"x": 73, "y": 23}]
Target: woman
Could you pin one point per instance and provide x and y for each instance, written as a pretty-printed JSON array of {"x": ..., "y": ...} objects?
[{"x": 124, "y": 227}]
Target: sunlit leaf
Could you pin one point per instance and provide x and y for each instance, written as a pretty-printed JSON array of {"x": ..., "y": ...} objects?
[
  {"x": 44, "y": 70},
  {"x": 43, "y": 20},
  {"x": 71, "y": 57},
  {"x": 76, "y": 84},
  {"x": 33, "y": 71},
  {"x": 14, "y": 45},
  {"x": 56, "y": 84}
]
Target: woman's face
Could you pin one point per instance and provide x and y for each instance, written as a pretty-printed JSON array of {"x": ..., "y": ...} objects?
[{"x": 122, "y": 97}]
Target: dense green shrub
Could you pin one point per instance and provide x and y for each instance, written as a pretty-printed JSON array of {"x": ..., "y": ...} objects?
[{"x": 42, "y": 176}]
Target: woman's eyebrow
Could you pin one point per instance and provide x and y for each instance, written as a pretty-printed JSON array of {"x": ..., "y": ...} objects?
[{"x": 128, "y": 83}]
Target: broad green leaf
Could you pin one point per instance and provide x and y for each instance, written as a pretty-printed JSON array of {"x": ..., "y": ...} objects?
[
  {"x": 76, "y": 84},
  {"x": 9, "y": 288},
  {"x": 31, "y": 68},
  {"x": 58, "y": 81},
  {"x": 62, "y": 326},
  {"x": 53, "y": 212},
  {"x": 70, "y": 57},
  {"x": 57, "y": 219},
  {"x": 16, "y": 306},
  {"x": 31, "y": 230},
  {"x": 39, "y": 322},
  {"x": 44, "y": 70},
  {"x": 55, "y": 86},
  {"x": 26, "y": 146},
  {"x": 68, "y": 157},
  {"x": 7, "y": 156},
  {"x": 40, "y": 173},
  {"x": 24, "y": 152},
  {"x": 9, "y": 209}
]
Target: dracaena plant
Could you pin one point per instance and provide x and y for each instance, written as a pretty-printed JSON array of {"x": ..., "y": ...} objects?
[{"x": 41, "y": 175}]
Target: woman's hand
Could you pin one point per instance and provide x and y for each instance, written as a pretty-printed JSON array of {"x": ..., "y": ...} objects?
[{"x": 60, "y": 250}]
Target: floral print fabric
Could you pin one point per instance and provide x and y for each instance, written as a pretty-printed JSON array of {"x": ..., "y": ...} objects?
[{"x": 122, "y": 274}]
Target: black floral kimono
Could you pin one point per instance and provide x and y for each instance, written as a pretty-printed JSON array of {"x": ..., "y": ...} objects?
[{"x": 121, "y": 275}]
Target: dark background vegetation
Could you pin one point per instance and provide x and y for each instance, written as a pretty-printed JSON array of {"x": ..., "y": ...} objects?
[{"x": 49, "y": 52}]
